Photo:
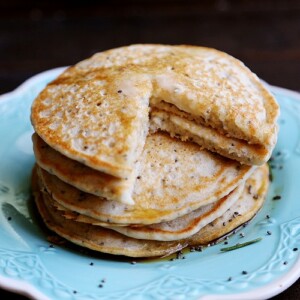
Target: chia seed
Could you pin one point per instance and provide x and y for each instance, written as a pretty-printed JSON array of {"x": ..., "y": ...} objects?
[
  {"x": 249, "y": 189},
  {"x": 199, "y": 248}
]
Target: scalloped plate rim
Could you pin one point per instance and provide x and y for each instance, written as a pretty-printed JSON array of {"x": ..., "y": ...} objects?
[{"x": 266, "y": 291}]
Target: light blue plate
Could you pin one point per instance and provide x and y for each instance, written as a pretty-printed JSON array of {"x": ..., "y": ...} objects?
[{"x": 29, "y": 265}]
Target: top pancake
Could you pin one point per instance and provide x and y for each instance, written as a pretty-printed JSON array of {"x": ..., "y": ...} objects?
[{"x": 96, "y": 112}]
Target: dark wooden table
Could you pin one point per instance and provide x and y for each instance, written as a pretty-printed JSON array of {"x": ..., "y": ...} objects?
[{"x": 40, "y": 35}]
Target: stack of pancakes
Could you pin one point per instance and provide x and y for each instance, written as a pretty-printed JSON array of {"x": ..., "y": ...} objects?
[{"x": 144, "y": 150}]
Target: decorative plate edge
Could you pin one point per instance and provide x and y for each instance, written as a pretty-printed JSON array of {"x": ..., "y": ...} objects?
[{"x": 21, "y": 287}]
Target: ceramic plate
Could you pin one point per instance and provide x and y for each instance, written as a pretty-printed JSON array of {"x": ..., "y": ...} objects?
[{"x": 31, "y": 265}]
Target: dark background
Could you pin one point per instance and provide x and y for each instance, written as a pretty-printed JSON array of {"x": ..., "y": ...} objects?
[{"x": 40, "y": 35}]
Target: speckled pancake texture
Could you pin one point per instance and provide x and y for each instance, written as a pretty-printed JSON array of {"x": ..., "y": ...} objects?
[{"x": 146, "y": 149}]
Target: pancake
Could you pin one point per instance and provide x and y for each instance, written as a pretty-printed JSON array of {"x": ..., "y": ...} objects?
[
  {"x": 81, "y": 176},
  {"x": 97, "y": 112},
  {"x": 172, "y": 154},
  {"x": 108, "y": 241},
  {"x": 191, "y": 223},
  {"x": 167, "y": 165},
  {"x": 241, "y": 212},
  {"x": 72, "y": 215},
  {"x": 176, "y": 229},
  {"x": 208, "y": 138},
  {"x": 185, "y": 226},
  {"x": 79, "y": 111},
  {"x": 101, "y": 239}
]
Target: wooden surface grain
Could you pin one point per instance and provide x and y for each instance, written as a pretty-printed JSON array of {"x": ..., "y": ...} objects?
[{"x": 40, "y": 35}]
